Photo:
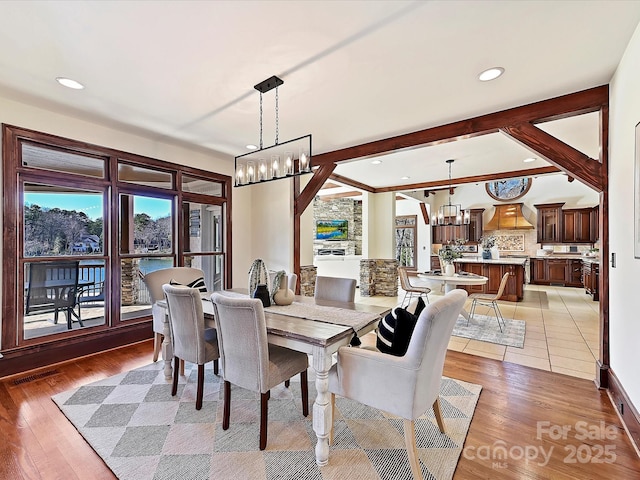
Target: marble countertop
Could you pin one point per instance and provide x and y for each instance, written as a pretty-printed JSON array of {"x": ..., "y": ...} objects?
[{"x": 497, "y": 261}]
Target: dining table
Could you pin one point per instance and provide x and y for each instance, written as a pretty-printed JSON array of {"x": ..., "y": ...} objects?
[
  {"x": 315, "y": 327},
  {"x": 452, "y": 281}
]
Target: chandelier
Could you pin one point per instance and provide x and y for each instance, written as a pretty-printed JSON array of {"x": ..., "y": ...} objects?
[
  {"x": 280, "y": 160},
  {"x": 451, "y": 214}
]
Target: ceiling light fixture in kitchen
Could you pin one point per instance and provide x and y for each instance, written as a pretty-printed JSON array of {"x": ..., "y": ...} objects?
[{"x": 451, "y": 214}]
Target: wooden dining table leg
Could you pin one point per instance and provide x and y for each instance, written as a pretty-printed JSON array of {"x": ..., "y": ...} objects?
[{"x": 322, "y": 414}]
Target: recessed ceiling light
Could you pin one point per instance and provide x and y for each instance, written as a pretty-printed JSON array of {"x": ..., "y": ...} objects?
[
  {"x": 251, "y": 147},
  {"x": 67, "y": 82},
  {"x": 490, "y": 74},
  {"x": 529, "y": 160},
  {"x": 376, "y": 162},
  {"x": 405, "y": 178}
]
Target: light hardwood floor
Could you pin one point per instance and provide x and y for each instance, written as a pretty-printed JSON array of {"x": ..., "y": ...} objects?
[
  {"x": 519, "y": 410},
  {"x": 561, "y": 330}
]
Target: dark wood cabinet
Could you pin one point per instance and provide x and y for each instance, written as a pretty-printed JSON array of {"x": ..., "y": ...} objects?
[
  {"x": 576, "y": 225},
  {"x": 557, "y": 271},
  {"x": 538, "y": 273},
  {"x": 475, "y": 227},
  {"x": 571, "y": 225},
  {"x": 514, "y": 290},
  {"x": 549, "y": 223},
  {"x": 595, "y": 226},
  {"x": 471, "y": 233},
  {"x": 590, "y": 275},
  {"x": 444, "y": 234},
  {"x": 435, "y": 262},
  {"x": 575, "y": 273}
]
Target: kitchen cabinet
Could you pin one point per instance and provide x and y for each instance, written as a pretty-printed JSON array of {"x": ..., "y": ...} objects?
[
  {"x": 446, "y": 233},
  {"x": 595, "y": 226},
  {"x": 549, "y": 223},
  {"x": 565, "y": 272},
  {"x": 576, "y": 225},
  {"x": 571, "y": 225},
  {"x": 514, "y": 290},
  {"x": 590, "y": 275},
  {"x": 475, "y": 227}
]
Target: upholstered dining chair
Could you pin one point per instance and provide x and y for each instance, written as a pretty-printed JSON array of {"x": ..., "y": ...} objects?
[
  {"x": 192, "y": 342},
  {"x": 249, "y": 361},
  {"x": 409, "y": 289},
  {"x": 405, "y": 386},
  {"x": 154, "y": 281},
  {"x": 336, "y": 289},
  {"x": 491, "y": 301}
]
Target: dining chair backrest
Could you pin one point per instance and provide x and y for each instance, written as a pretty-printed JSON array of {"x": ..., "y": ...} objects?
[
  {"x": 503, "y": 285},
  {"x": 336, "y": 289},
  {"x": 292, "y": 280},
  {"x": 242, "y": 339},
  {"x": 404, "y": 278},
  {"x": 186, "y": 319},
  {"x": 428, "y": 347},
  {"x": 41, "y": 297}
]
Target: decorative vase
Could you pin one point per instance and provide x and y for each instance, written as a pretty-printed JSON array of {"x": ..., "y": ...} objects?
[
  {"x": 262, "y": 292},
  {"x": 284, "y": 295},
  {"x": 449, "y": 270},
  {"x": 486, "y": 254},
  {"x": 258, "y": 275}
]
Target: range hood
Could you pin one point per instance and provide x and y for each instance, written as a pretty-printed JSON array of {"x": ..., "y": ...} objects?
[{"x": 508, "y": 217}]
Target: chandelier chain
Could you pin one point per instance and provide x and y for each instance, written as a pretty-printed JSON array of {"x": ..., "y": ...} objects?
[
  {"x": 260, "y": 120},
  {"x": 277, "y": 127}
]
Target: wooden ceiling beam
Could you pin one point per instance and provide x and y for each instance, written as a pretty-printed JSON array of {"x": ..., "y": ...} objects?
[
  {"x": 351, "y": 183},
  {"x": 334, "y": 196},
  {"x": 320, "y": 175},
  {"x": 573, "y": 104},
  {"x": 568, "y": 159},
  {"x": 531, "y": 172}
]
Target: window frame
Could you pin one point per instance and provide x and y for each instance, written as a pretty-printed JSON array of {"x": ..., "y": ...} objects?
[{"x": 15, "y": 174}]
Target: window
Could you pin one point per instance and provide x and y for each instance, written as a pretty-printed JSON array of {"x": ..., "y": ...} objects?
[
  {"x": 406, "y": 233},
  {"x": 79, "y": 242}
]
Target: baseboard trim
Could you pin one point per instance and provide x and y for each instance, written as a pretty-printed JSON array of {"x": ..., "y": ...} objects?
[{"x": 626, "y": 410}]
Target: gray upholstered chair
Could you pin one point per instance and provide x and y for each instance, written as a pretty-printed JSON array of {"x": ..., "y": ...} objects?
[
  {"x": 192, "y": 342},
  {"x": 489, "y": 300},
  {"x": 336, "y": 289},
  {"x": 404, "y": 386},
  {"x": 410, "y": 290},
  {"x": 249, "y": 361},
  {"x": 154, "y": 281}
]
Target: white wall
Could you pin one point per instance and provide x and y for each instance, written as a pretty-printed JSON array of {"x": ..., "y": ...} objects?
[
  {"x": 423, "y": 244},
  {"x": 624, "y": 114},
  {"x": 378, "y": 225},
  {"x": 46, "y": 121},
  {"x": 271, "y": 226}
]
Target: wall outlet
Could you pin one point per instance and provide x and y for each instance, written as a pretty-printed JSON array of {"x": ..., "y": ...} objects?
[{"x": 613, "y": 260}]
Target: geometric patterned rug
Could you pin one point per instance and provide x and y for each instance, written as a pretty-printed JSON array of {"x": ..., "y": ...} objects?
[
  {"x": 143, "y": 433},
  {"x": 486, "y": 329}
]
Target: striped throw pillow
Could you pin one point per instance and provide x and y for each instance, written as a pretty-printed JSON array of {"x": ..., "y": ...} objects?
[{"x": 197, "y": 283}]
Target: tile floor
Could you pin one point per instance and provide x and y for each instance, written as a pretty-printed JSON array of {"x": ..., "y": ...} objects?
[{"x": 561, "y": 330}]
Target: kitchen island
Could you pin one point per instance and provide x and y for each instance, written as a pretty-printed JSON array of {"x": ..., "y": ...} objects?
[{"x": 494, "y": 270}]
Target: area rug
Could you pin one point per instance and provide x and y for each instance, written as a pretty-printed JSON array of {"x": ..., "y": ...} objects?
[
  {"x": 485, "y": 328},
  {"x": 143, "y": 433}
]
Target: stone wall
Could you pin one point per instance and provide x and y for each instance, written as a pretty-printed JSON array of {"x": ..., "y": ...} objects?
[
  {"x": 340, "y": 209},
  {"x": 130, "y": 275},
  {"x": 308, "y": 280},
  {"x": 379, "y": 277}
]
